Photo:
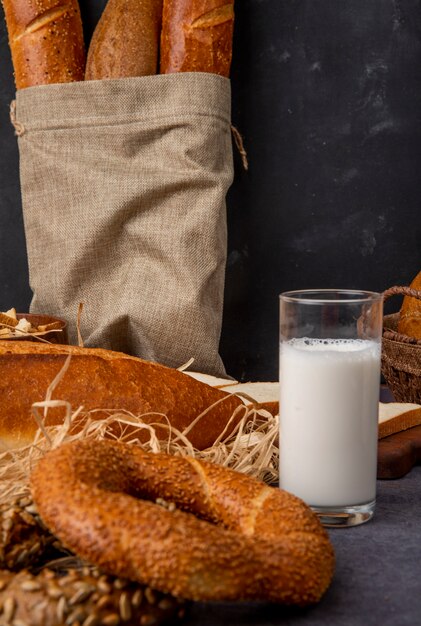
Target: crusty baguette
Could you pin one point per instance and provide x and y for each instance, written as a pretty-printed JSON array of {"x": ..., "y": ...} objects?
[
  {"x": 126, "y": 40},
  {"x": 103, "y": 379},
  {"x": 410, "y": 314},
  {"x": 197, "y": 36},
  {"x": 46, "y": 41}
]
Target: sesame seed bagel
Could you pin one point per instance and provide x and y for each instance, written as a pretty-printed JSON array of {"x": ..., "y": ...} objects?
[{"x": 230, "y": 537}]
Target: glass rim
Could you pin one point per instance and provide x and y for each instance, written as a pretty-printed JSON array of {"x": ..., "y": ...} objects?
[{"x": 355, "y": 296}]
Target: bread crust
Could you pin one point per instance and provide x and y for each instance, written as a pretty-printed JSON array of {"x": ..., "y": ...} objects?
[
  {"x": 126, "y": 40},
  {"x": 410, "y": 314},
  {"x": 23, "y": 538},
  {"x": 197, "y": 36},
  {"x": 231, "y": 537},
  {"x": 76, "y": 596},
  {"x": 46, "y": 41},
  {"x": 395, "y": 417},
  {"x": 103, "y": 380}
]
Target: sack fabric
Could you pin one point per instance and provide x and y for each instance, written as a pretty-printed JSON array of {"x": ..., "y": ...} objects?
[{"x": 123, "y": 187}]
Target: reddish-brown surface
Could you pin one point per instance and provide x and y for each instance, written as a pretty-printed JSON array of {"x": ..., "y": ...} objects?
[{"x": 397, "y": 454}]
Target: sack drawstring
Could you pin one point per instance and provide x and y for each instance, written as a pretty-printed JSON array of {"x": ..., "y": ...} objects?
[
  {"x": 240, "y": 146},
  {"x": 19, "y": 128}
]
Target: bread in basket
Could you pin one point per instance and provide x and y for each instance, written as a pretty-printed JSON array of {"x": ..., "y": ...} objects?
[{"x": 401, "y": 353}]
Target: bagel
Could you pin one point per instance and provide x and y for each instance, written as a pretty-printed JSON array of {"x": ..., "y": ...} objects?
[
  {"x": 230, "y": 537},
  {"x": 85, "y": 597}
]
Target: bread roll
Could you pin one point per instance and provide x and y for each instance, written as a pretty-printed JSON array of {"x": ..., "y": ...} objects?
[
  {"x": 103, "y": 379},
  {"x": 126, "y": 40},
  {"x": 410, "y": 313},
  {"x": 197, "y": 36},
  {"x": 223, "y": 536},
  {"x": 46, "y": 41}
]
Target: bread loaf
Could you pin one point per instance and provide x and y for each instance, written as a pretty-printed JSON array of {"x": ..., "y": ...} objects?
[
  {"x": 395, "y": 417},
  {"x": 102, "y": 379},
  {"x": 126, "y": 40},
  {"x": 259, "y": 395},
  {"x": 55, "y": 597},
  {"x": 46, "y": 41},
  {"x": 410, "y": 313},
  {"x": 197, "y": 36}
]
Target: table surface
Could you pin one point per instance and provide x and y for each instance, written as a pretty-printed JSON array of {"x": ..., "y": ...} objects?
[{"x": 378, "y": 571}]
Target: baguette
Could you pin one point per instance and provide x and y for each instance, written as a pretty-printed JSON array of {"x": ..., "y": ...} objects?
[
  {"x": 410, "y": 314},
  {"x": 197, "y": 36},
  {"x": 126, "y": 40},
  {"x": 46, "y": 41},
  {"x": 104, "y": 380}
]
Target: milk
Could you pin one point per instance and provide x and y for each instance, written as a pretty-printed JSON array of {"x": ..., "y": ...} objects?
[{"x": 329, "y": 395}]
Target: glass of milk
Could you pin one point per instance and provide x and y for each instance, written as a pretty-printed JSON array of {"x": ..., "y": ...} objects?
[{"x": 330, "y": 346}]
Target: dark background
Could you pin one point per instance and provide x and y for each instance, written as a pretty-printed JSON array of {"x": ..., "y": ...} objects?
[{"x": 327, "y": 95}]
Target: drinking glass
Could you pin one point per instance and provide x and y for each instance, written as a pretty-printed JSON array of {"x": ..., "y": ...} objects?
[{"x": 330, "y": 347}]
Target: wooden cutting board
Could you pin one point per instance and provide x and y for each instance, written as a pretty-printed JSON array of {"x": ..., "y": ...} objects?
[{"x": 397, "y": 454}]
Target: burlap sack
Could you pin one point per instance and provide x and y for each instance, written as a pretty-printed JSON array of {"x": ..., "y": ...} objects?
[{"x": 123, "y": 186}]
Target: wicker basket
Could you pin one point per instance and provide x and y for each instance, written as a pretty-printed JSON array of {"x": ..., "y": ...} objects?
[{"x": 401, "y": 355}]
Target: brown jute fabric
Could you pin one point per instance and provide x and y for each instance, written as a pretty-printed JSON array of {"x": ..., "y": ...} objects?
[{"x": 123, "y": 187}]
